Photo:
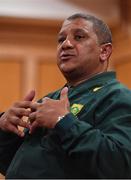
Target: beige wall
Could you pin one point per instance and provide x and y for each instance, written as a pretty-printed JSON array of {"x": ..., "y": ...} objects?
[{"x": 27, "y": 59}]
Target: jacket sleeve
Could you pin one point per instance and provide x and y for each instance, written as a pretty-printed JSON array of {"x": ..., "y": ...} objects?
[
  {"x": 9, "y": 143},
  {"x": 103, "y": 149}
]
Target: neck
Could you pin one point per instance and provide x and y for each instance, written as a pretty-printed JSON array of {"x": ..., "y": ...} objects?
[{"x": 76, "y": 81}]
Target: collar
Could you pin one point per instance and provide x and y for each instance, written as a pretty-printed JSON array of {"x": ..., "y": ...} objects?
[{"x": 97, "y": 80}]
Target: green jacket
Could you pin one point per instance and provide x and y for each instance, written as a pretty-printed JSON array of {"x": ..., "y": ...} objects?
[{"x": 93, "y": 141}]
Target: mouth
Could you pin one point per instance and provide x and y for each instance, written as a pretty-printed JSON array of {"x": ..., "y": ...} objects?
[{"x": 65, "y": 56}]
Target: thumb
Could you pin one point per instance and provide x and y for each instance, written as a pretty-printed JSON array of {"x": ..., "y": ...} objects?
[
  {"x": 64, "y": 94},
  {"x": 30, "y": 96}
]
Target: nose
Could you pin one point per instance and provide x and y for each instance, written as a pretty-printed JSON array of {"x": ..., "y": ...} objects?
[{"x": 67, "y": 44}]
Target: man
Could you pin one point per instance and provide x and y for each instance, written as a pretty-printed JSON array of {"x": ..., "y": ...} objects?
[{"x": 82, "y": 130}]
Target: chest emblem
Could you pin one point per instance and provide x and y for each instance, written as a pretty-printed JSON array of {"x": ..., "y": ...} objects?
[
  {"x": 97, "y": 88},
  {"x": 76, "y": 108}
]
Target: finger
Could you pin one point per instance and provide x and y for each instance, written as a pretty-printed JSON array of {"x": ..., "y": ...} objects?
[
  {"x": 19, "y": 122},
  {"x": 32, "y": 117},
  {"x": 34, "y": 106},
  {"x": 15, "y": 130},
  {"x": 22, "y": 112},
  {"x": 22, "y": 104},
  {"x": 33, "y": 126},
  {"x": 30, "y": 96},
  {"x": 23, "y": 124},
  {"x": 44, "y": 99}
]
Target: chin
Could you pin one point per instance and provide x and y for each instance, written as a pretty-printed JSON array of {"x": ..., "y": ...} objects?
[
  {"x": 66, "y": 70},
  {"x": 69, "y": 73}
]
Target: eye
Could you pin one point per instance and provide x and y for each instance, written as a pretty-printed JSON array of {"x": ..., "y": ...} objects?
[
  {"x": 61, "y": 39},
  {"x": 79, "y": 37}
]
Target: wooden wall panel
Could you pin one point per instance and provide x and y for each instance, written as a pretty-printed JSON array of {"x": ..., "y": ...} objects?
[
  {"x": 10, "y": 82},
  {"x": 124, "y": 73},
  {"x": 50, "y": 78},
  {"x": 122, "y": 59}
]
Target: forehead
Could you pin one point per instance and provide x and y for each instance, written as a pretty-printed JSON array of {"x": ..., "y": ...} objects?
[{"x": 75, "y": 24}]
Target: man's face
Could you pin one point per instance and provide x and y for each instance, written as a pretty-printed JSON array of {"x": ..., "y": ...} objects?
[{"x": 78, "y": 49}]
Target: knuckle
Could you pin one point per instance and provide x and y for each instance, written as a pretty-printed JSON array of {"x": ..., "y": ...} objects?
[
  {"x": 16, "y": 104},
  {"x": 6, "y": 126},
  {"x": 6, "y": 122},
  {"x": 11, "y": 110},
  {"x": 21, "y": 111},
  {"x": 22, "y": 123},
  {"x": 32, "y": 115},
  {"x": 38, "y": 117},
  {"x": 24, "y": 112},
  {"x": 25, "y": 103},
  {"x": 16, "y": 120},
  {"x": 37, "y": 123},
  {"x": 27, "y": 111}
]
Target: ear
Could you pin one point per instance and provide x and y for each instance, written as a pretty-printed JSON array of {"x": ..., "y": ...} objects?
[{"x": 105, "y": 52}]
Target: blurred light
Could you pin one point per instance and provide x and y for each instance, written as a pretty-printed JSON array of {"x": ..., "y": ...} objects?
[{"x": 55, "y": 9}]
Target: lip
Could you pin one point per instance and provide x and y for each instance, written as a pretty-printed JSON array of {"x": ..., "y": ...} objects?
[{"x": 66, "y": 56}]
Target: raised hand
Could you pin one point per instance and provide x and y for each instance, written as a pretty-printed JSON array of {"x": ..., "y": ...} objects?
[
  {"x": 12, "y": 118},
  {"x": 47, "y": 112}
]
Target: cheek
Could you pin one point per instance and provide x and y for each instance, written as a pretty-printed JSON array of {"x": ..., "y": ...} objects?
[
  {"x": 90, "y": 51},
  {"x": 89, "y": 57},
  {"x": 57, "y": 51}
]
